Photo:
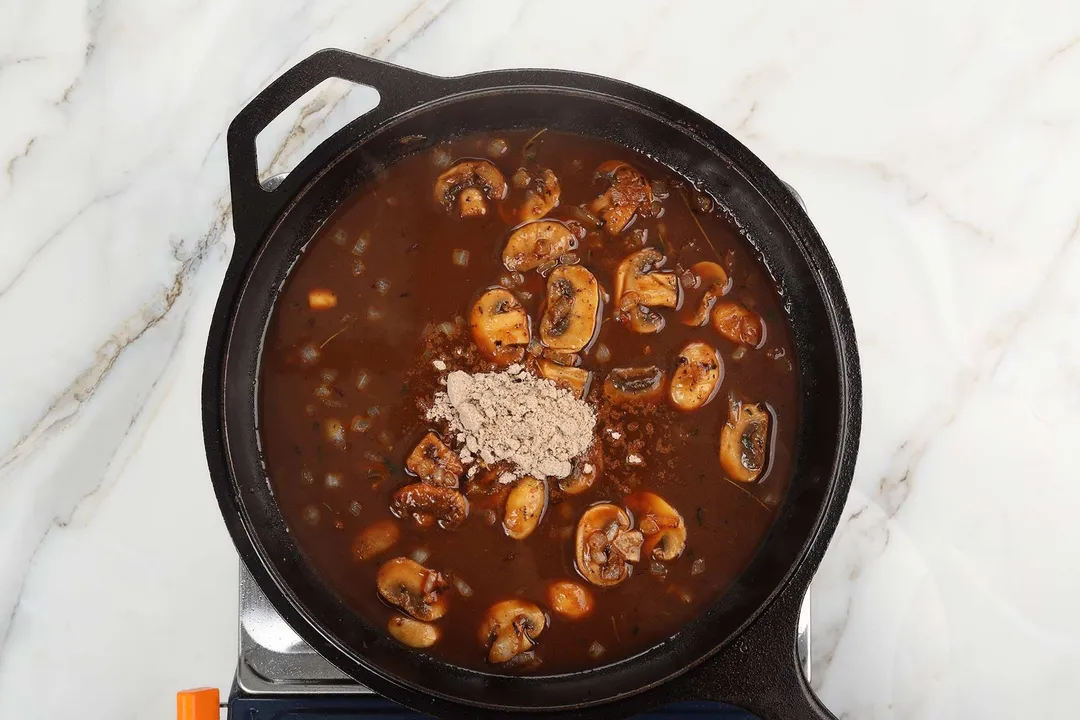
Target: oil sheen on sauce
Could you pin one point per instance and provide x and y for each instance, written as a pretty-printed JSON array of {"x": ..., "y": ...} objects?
[{"x": 343, "y": 391}]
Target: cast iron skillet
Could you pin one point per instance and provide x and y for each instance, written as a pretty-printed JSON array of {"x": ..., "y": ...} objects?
[{"x": 742, "y": 648}]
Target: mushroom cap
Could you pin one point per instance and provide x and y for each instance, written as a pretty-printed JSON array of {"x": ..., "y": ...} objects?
[
  {"x": 571, "y": 313},
  {"x": 406, "y": 584},
  {"x": 660, "y": 523},
  {"x": 469, "y": 174},
  {"x": 534, "y": 243},
  {"x": 510, "y": 627},
  {"x": 427, "y": 504},
  {"x": 605, "y": 545},
  {"x": 744, "y": 441},
  {"x": 697, "y": 376},
  {"x": 500, "y": 326}
]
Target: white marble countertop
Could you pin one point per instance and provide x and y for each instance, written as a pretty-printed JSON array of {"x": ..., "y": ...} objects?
[{"x": 937, "y": 146}]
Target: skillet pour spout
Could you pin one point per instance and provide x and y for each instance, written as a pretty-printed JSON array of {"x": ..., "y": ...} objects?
[{"x": 741, "y": 649}]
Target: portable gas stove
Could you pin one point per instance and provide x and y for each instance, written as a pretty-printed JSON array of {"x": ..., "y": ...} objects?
[{"x": 279, "y": 676}]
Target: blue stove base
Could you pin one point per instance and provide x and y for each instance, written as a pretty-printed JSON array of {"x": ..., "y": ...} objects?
[{"x": 374, "y": 707}]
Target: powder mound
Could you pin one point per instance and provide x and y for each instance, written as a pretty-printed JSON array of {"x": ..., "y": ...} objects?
[{"x": 514, "y": 416}]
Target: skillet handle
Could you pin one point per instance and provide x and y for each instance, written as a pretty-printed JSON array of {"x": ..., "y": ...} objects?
[
  {"x": 256, "y": 206},
  {"x": 761, "y": 671}
]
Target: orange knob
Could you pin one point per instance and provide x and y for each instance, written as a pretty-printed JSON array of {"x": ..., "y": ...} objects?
[{"x": 198, "y": 704}]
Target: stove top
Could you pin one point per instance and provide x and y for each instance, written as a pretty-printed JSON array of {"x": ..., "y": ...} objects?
[{"x": 274, "y": 660}]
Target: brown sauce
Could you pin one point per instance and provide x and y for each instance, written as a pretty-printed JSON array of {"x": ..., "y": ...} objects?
[{"x": 391, "y": 260}]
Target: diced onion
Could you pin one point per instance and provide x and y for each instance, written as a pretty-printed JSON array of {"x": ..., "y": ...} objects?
[
  {"x": 420, "y": 555},
  {"x": 309, "y": 354},
  {"x": 373, "y": 411},
  {"x": 603, "y": 354},
  {"x": 361, "y": 244},
  {"x": 595, "y": 650},
  {"x": 386, "y": 439},
  {"x": 311, "y": 514},
  {"x": 332, "y": 480},
  {"x": 697, "y": 567},
  {"x": 374, "y": 314},
  {"x": 360, "y": 424},
  {"x": 447, "y": 328},
  {"x": 462, "y": 587},
  {"x": 307, "y": 477},
  {"x": 358, "y": 268},
  {"x": 583, "y": 216},
  {"x": 738, "y": 353},
  {"x": 339, "y": 237},
  {"x": 382, "y": 286},
  {"x": 362, "y": 380},
  {"x": 334, "y": 431},
  {"x": 355, "y": 507},
  {"x": 460, "y": 257},
  {"x": 440, "y": 156},
  {"x": 520, "y": 179},
  {"x": 328, "y": 375}
]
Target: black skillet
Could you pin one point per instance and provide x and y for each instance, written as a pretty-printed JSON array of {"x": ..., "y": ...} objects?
[{"x": 741, "y": 650}]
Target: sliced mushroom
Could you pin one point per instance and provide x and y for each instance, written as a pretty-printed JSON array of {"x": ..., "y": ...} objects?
[
  {"x": 500, "y": 326},
  {"x": 510, "y": 628},
  {"x": 570, "y": 599},
  {"x": 628, "y": 194},
  {"x": 585, "y": 468},
  {"x": 573, "y": 302},
  {"x": 434, "y": 463},
  {"x": 638, "y": 316},
  {"x": 574, "y": 379},
  {"x": 471, "y": 183},
  {"x": 739, "y": 324},
  {"x": 605, "y": 545},
  {"x": 411, "y": 632},
  {"x": 639, "y": 272},
  {"x": 536, "y": 243},
  {"x": 428, "y": 504},
  {"x": 524, "y": 507},
  {"x": 661, "y": 524},
  {"x": 541, "y": 196},
  {"x": 408, "y": 585},
  {"x": 744, "y": 441},
  {"x": 697, "y": 375},
  {"x": 375, "y": 539},
  {"x": 639, "y": 287},
  {"x": 566, "y": 359},
  {"x": 634, "y": 385},
  {"x": 712, "y": 284}
]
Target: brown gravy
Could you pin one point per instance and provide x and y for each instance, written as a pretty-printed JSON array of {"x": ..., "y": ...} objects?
[{"x": 391, "y": 258}]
